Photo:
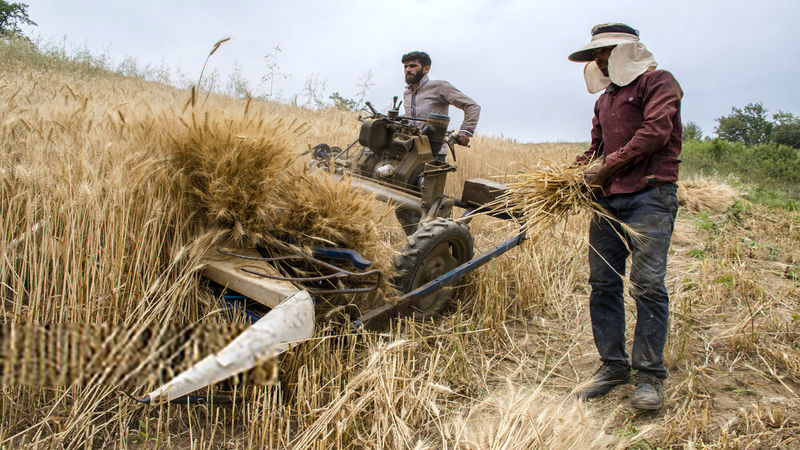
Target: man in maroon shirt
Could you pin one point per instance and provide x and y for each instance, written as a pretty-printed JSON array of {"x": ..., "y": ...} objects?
[{"x": 636, "y": 133}]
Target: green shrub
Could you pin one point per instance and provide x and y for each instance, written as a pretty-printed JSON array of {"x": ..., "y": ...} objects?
[
  {"x": 773, "y": 168},
  {"x": 787, "y": 129},
  {"x": 773, "y": 198}
]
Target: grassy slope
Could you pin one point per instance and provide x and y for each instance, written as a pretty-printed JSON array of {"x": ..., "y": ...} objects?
[{"x": 494, "y": 371}]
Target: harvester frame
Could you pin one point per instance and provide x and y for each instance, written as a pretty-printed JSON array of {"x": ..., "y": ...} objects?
[{"x": 396, "y": 164}]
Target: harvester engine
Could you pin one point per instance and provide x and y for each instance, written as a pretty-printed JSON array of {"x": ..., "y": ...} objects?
[
  {"x": 396, "y": 162},
  {"x": 395, "y": 152}
]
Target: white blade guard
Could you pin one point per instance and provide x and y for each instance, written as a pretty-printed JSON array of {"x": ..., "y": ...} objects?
[{"x": 283, "y": 327}]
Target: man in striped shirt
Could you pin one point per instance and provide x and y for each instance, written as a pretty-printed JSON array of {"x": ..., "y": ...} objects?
[{"x": 424, "y": 96}]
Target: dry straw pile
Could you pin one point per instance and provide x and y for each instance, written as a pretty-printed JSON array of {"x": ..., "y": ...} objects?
[
  {"x": 517, "y": 418},
  {"x": 700, "y": 195},
  {"x": 240, "y": 177}
]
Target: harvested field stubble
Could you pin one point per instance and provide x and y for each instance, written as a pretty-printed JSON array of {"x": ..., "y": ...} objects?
[{"x": 102, "y": 228}]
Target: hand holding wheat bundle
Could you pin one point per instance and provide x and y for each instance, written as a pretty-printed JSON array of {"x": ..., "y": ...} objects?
[{"x": 546, "y": 194}]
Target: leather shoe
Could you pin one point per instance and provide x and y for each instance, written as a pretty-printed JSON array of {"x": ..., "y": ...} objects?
[
  {"x": 648, "y": 394},
  {"x": 606, "y": 377}
]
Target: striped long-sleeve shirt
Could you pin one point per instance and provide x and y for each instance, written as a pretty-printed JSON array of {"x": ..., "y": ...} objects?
[{"x": 435, "y": 97}]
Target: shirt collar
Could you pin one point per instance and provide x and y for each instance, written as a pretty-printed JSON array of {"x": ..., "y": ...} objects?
[{"x": 421, "y": 83}]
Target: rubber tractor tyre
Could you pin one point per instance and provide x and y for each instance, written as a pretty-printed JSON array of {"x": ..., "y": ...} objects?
[{"x": 437, "y": 247}]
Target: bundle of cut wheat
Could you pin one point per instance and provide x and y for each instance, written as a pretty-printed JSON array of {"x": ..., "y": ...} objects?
[{"x": 545, "y": 194}]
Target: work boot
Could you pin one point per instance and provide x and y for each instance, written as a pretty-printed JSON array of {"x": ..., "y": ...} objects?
[
  {"x": 607, "y": 376},
  {"x": 648, "y": 394}
]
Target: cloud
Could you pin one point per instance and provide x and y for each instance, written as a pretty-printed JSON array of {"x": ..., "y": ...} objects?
[{"x": 508, "y": 55}]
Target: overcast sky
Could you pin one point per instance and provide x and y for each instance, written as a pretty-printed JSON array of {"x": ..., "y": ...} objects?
[{"x": 508, "y": 55}]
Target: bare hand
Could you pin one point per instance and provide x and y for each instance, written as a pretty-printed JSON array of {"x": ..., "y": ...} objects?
[
  {"x": 596, "y": 176},
  {"x": 462, "y": 139}
]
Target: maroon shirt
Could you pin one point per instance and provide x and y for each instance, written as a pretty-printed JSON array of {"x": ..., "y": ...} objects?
[{"x": 639, "y": 125}]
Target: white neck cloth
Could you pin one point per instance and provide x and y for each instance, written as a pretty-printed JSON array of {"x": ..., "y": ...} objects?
[{"x": 627, "y": 61}]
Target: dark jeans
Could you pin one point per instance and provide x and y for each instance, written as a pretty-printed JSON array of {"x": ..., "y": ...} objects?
[
  {"x": 651, "y": 213},
  {"x": 440, "y": 157}
]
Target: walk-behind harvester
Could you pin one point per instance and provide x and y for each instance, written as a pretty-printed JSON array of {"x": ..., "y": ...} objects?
[{"x": 393, "y": 159}]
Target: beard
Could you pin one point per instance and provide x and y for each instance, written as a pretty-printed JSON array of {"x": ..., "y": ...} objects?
[{"x": 414, "y": 78}]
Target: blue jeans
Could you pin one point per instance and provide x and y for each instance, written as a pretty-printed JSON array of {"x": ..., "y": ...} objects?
[
  {"x": 651, "y": 213},
  {"x": 440, "y": 157}
]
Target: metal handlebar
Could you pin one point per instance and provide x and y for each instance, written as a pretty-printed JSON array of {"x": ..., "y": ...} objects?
[{"x": 374, "y": 111}]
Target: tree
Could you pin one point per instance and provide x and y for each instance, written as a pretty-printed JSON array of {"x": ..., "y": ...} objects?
[
  {"x": 238, "y": 86},
  {"x": 786, "y": 130},
  {"x": 692, "y": 132},
  {"x": 346, "y": 104},
  {"x": 12, "y": 15},
  {"x": 750, "y": 125}
]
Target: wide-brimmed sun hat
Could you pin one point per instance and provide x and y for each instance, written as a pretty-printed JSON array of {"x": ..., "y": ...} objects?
[
  {"x": 605, "y": 35},
  {"x": 629, "y": 58}
]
